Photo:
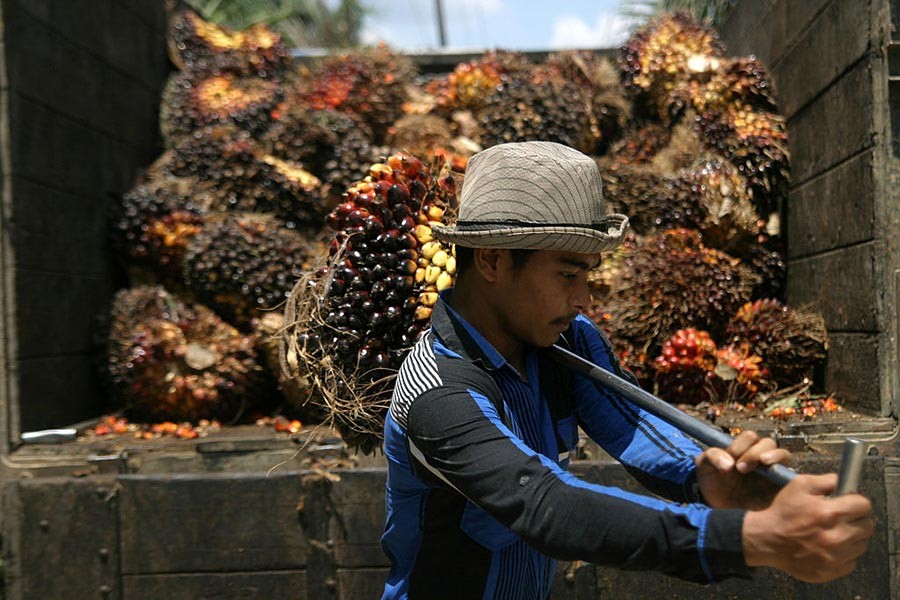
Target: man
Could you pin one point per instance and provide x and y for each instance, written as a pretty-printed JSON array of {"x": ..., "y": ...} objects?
[{"x": 481, "y": 422}]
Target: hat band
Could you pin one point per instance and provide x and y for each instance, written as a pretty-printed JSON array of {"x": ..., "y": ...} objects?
[{"x": 462, "y": 226}]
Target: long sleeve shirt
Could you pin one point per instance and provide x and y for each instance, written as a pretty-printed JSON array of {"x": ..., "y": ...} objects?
[{"x": 479, "y": 501}]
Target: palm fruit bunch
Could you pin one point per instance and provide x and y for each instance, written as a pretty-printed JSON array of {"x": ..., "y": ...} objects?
[
  {"x": 766, "y": 257},
  {"x": 662, "y": 56},
  {"x": 420, "y": 135},
  {"x": 242, "y": 264},
  {"x": 642, "y": 144},
  {"x": 470, "y": 84},
  {"x": 739, "y": 374},
  {"x": 609, "y": 110},
  {"x": 356, "y": 319},
  {"x": 169, "y": 359},
  {"x": 369, "y": 84},
  {"x": 729, "y": 220},
  {"x": 154, "y": 223},
  {"x": 242, "y": 177},
  {"x": 684, "y": 369},
  {"x": 204, "y": 47},
  {"x": 739, "y": 82},
  {"x": 756, "y": 143},
  {"x": 332, "y": 145},
  {"x": 672, "y": 280},
  {"x": 534, "y": 106},
  {"x": 188, "y": 104},
  {"x": 790, "y": 341}
]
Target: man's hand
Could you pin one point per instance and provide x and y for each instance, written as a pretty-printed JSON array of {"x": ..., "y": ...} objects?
[
  {"x": 807, "y": 534},
  {"x": 725, "y": 476}
]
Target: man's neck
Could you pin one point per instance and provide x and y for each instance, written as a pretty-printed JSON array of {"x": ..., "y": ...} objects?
[{"x": 478, "y": 312}]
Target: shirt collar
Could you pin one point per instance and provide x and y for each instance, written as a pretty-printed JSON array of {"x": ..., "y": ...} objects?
[{"x": 460, "y": 336}]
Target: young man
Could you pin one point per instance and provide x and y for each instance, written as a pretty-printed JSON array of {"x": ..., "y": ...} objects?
[{"x": 481, "y": 422}]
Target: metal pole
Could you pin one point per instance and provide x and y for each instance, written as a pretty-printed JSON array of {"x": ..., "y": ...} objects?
[{"x": 439, "y": 14}]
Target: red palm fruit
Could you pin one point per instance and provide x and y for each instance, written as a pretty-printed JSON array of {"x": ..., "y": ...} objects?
[
  {"x": 739, "y": 373},
  {"x": 684, "y": 368}
]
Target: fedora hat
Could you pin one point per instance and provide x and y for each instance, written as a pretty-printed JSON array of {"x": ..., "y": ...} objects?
[{"x": 533, "y": 196}]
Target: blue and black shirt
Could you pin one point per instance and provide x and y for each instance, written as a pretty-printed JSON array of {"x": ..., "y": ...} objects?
[{"x": 479, "y": 502}]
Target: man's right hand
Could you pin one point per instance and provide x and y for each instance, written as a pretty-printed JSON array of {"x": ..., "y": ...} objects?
[{"x": 806, "y": 533}]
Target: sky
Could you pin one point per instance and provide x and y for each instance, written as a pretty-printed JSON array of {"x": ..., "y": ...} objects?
[{"x": 411, "y": 25}]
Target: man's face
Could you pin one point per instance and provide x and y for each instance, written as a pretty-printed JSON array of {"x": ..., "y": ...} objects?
[{"x": 538, "y": 301}]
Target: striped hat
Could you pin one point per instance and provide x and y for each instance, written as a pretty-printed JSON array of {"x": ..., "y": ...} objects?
[{"x": 535, "y": 196}]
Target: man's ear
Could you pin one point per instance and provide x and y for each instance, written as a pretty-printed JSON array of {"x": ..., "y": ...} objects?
[{"x": 488, "y": 262}]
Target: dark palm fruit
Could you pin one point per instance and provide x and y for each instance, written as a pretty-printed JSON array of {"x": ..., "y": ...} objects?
[
  {"x": 685, "y": 367},
  {"x": 641, "y": 144},
  {"x": 368, "y": 84},
  {"x": 766, "y": 256},
  {"x": 154, "y": 223},
  {"x": 242, "y": 264},
  {"x": 242, "y": 177},
  {"x": 672, "y": 281},
  {"x": 189, "y": 104},
  {"x": 536, "y": 105},
  {"x": 660, "y": 58},
  {"x": 171, "y": 360},
  {"x": 204, "y": 47},
  {"x": 790, "y": 341},
  {"x": 756, "y": 143}
]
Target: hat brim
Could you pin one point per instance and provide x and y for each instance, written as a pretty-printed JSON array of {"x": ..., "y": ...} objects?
[{"x": 602, "y": 237}]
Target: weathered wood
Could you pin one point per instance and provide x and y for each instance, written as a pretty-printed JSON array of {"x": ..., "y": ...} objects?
[
  {"x": 843, "y": 285},
  {"x": 852, "y": 372},
  {"x": 356, "y": 584},
  {"x": 837, "y": 125},
  {"x": 73, "y": 393},
  {"x": 835, "y": 209},
  {"x": 258, "y": 585},
  {"x": 69, "y": 539},
  {"x": 839, "y": 36},
  {"x": 742, "y": 35},
  {"x": 190, "y": 523},
  {"x": 358, "y": 500}
]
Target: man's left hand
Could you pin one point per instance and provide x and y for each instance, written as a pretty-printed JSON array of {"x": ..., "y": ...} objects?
[{"x": 726, "y": 476}]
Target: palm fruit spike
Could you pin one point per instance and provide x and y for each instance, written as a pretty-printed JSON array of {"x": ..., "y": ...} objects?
[
  {"x": 766, "y": 256},
  {"x": 203, "y": 47},
  {"x": 664, "y": 54},
  {"x": 242, "y": 177},
  {"x": 368, "y": 84},
  {"x": 470, "y": 84},
  {"x": 370, "y": 305},
  {"x": 740, "y": 81},
  {"x": 332, "y": 145},
  {"x": 641, "y": 145},
  {"x": 789, "y": 341},
  {"x": 221, "y": 99},
  {"x": 154, "y": 223},
  {"x": 523, "y": 109},
  {"x": 596, "y": 76},
  {"x": 170, "y": 360},
  {"x": 671, "y": 281},
  {"x": 241, "y": 264},
  {"x": 756, "y": 143},
  {"x": 739, "y": 374},
  {"x": 685, "y": 367},
  {"x": 730, "y": 220}
]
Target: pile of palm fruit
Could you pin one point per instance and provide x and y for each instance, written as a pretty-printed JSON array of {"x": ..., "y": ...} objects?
[{"x": 286, "y": 228}]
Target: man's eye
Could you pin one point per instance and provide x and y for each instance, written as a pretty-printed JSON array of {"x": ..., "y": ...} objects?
[{"x": 570, "y": 275}]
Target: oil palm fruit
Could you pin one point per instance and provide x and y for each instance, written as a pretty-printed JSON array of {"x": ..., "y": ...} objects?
[
  {"x": 172, "y": 360},
  {"x": 739, "y": 82},
  {"x": 245, "y": 101},
  {"x": 369, "y": 84},
  {"x": 685, "y": 367},
  {"x": 739, "y": 374},
  {"x": 641, "y": 144},
  {"x": 205, "y": 47},
  {"x": 659, "y": 59},
  {"x": 790, "y": 341},
  {"x": 242, "y": 177},
  {"x": 244, "y": 264},
  {"x": 756, "y": 143},
  {"x": 470, "y": 84}
]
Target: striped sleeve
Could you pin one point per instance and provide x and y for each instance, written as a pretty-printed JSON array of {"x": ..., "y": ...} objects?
[{"x": 456, "y": 434}]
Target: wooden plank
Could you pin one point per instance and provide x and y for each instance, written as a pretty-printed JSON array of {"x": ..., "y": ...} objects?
[
  {"x": 843, "y": 285},
  {"x": 741, "y": 32},
  {"x": 58, "y": 390},
  {"x": 359, "y": 513},
  {"x": 837, "y": 125},
  {"x": 70, "y": 544},
  {"x": 851, "y": 372},
  {"x": 833, "y": 210},
  {"x": 357, "y": 584},
  {"x": 258, "y": 585},
  {"x": 51, "y": 223},
  {"x": 210, "y": 522},
  {"x": 838, "y": 37},
  {"x": 57, "y": 312}
]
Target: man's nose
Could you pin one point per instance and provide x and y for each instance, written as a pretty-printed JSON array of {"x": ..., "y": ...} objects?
[{"x": 583, "y": 298}]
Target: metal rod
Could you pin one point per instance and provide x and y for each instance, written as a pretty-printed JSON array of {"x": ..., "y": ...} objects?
[
  {"x": 700, "y": 431},
  {"x": 852, "y": 460}
]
